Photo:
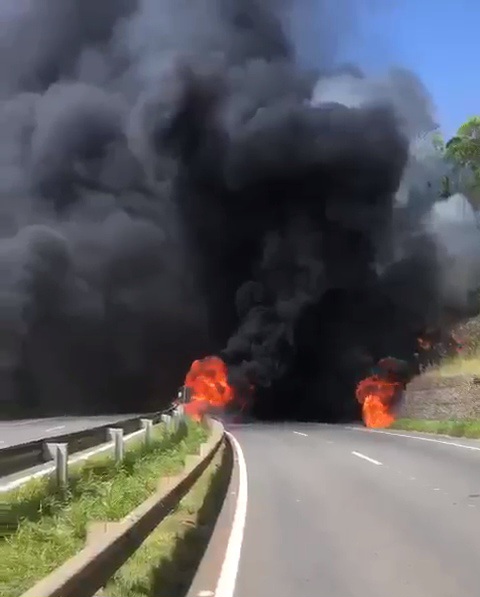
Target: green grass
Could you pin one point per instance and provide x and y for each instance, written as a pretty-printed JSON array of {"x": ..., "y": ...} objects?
[
  {"x": 40, "y": 497},
  {"x": 459, "y": 366},
  {"x": 456, "y": 428},
  {"x": 47, "y": 527},
  {"x": 166, "y": 563}
]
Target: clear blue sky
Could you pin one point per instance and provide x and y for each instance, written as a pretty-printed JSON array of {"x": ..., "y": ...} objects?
[{"x": 440, "y": 41}]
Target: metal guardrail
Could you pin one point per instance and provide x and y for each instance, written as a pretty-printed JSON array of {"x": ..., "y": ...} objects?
[
  {"x": 110, "y": 544},
  {"x": 14, "y": 459}
]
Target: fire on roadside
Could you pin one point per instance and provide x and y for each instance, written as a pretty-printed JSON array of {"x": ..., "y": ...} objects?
[
  {"x": 378, "y": 395},
  {"x": 207, "y": 381}
]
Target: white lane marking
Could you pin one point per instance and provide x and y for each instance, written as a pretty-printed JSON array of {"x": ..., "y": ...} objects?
[
  {"x": 206, "y": 594},
  {"x": 422, "y": 439},
  {"x": 299, "y": 433},
  {"x": 367, "y": 458},
  {"x": 57, "y": 428},
  {"x": 228, "y": 575}
]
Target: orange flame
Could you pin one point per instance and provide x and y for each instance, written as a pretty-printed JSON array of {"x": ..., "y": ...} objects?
[
  {"x": 377, "y": 396},
  {"x": 208, "y": 383}
]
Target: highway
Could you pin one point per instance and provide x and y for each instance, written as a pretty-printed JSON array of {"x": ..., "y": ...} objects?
[
  {"x": 336, "y": 511},
  {"x": 13, "y": 433}
]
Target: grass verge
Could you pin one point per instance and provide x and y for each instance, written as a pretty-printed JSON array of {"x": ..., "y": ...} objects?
[
  {"x": 50, "y": 526},
  {"x": 166, "y": 563},
  {"x": 40, "y": 497},
  {"x": 454, "y": 366},
  {"x": 466, "y": 428}
]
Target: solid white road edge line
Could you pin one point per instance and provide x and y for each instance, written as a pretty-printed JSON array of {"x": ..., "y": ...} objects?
[
  {"x": 367, "y": 458},
  {"x": 229, "y": 571},
  {"x": 421, "y": 439},
  {"x": 299, "y": 433}
]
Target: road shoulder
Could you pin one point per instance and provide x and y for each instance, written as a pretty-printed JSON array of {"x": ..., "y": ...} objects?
[{"x": 209, "y": 570}]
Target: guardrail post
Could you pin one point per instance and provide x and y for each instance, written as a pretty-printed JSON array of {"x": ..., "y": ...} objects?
[
  {"x": 89, "y": 571},
  {"x": 147, "y": 425},
  {"x": 59, "y": 454},
  {"x": 167, "y": 421},
  {"x": 116, "y": 435},
  {"x": 182, "y": 418},
  {"x": 179, "y": 416},
  {"x": 185, "y": 394},
  {"x": 175, "y": 420}
]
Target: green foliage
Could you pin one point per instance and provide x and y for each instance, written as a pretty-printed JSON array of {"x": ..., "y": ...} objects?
[
  {"x": 52, "y": 527},
  {"x": 455, "y": 428},
  {"x": 463, "y": 153},
  {"x": 166, "y": 563},
  {"x": 446, "y": 188},
  {"x": 464, "y": 149},
  {"x": 438, "y": 141}
]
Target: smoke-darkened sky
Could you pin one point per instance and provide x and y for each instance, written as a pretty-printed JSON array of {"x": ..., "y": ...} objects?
[{"x": 175, "y": 181}]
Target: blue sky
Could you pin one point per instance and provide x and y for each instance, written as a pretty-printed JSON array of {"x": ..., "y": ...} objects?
[{"x": 440, "y": 41}]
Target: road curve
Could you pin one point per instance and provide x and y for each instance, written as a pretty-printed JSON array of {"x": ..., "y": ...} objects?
[
  {"x": 14, "y": 433},
  {"x": 345, "y": 512}
]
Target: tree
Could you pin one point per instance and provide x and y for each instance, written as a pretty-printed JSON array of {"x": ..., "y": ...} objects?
[
  {"x": 463, "y": 150},
  {"x": 464, "y": 147},
  {"x": 438, "y": 142},
  {"x": 435, "y": 146}
]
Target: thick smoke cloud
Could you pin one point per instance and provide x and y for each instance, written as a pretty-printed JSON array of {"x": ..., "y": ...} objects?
[{"x": 174, "y": 183}]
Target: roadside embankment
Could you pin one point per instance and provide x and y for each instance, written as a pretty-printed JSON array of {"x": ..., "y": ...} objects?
[
  {"x": 435, "y": 397},
  {"x": 42, "y": 526},
  {"x": 166, "y": 563}
]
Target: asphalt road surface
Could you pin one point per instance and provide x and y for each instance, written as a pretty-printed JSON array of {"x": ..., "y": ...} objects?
[
  {"x": 13, "y": 433},
  {"x": 347, "y": 512}
]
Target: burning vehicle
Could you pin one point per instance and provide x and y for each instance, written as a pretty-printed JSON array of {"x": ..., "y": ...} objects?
[{"x": 380, "y": 393}]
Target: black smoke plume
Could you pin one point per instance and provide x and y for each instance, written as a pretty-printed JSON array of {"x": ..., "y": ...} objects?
[{"x": 174, "y": 183}]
